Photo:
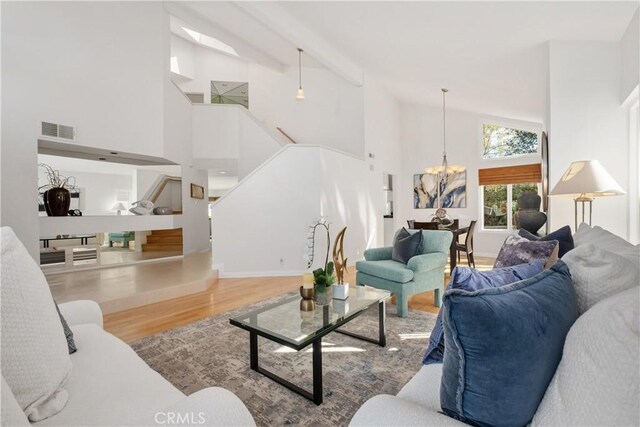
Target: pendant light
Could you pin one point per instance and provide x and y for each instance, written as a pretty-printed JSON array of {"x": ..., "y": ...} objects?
[
  {"x": 444, "y": 170},
  {"x": 300, "y": 93}
]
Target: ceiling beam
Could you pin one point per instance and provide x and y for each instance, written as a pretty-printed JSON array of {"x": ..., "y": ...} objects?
[
  {"x": 283, "y": 23},
  {"x": 205, "y": 26}
]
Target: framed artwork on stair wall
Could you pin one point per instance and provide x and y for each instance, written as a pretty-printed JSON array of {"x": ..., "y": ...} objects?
[
  {"x": 230, "y": 93},
  {"x": 197, "y": 191}
]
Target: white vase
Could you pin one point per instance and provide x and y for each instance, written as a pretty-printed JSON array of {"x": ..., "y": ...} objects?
[{"x": 341, "y": 291}]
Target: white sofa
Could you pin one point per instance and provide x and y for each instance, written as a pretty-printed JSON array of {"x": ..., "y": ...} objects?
[
  {"x": 105, "y": 383},
  {"x": 110, "y": 385},
  {"x": 598, "y": 379}
]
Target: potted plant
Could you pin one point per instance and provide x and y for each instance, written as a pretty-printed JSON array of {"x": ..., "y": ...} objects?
[
  {"x": 56, "y": 195},
  {"x": 323, "y": 280}
]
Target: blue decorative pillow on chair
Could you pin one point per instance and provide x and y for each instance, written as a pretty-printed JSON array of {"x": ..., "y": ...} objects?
[
  {"x": 406, "y": 245},
  {"x": 503, "y": 347},
  {"x": 562, "y": 235},
  {"x": 471, "y": 280}
]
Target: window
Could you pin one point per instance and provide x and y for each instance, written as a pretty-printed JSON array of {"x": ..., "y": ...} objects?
[
  {"x": 499, "y": 192},
  {"x": 501, "y": 141},
  {"x": 501, "y": 203}
]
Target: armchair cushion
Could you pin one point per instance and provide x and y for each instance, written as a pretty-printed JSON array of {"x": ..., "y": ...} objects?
[
  {"x": 406, "y": 245},
  {"x": 377, "y": 254},
  {"x": 427, "y": 262},
  {"x": 386, "y": 269}
]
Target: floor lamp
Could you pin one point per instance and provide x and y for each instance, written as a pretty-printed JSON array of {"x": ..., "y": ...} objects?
[{"x": 586, "y": 180}]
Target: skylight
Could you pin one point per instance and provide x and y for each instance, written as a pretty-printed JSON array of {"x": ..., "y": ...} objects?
[{"x": 211, "y": 42}]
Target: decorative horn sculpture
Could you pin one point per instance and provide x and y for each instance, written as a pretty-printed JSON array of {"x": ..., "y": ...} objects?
[{"x": 339, "y": 261}]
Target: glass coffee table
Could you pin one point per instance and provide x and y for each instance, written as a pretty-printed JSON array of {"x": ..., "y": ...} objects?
[{"x": 285, "y": 324}]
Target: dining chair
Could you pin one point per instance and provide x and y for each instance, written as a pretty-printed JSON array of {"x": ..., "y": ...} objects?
[{"x": 467, "y": 246}]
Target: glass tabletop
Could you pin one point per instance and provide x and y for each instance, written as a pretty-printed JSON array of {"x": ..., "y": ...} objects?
[{"x": 285, "y": 323}]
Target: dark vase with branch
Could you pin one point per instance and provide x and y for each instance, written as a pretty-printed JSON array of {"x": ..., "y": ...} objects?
[{"x": 56, "y": 193}]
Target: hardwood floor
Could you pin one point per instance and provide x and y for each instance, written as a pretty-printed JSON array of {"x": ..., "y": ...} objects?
[{"x": 225, "y": 295}]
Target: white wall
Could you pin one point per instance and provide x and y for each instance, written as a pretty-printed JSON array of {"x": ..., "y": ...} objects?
[
  {"x": 216, "y": 131},
  {"x": 588, "y": 122},
  {"x": 223, "y": 132},
  {"x": 182, "y": 57},
  {"x": 259, "y": 227},
  {"x": 630, "y": 45},
  {"x": 95, "y": 65},
  {"x": 332, "y": 113},
  {"x": 382, "y": 139},
  {"x": 422, "y": 147},
  {"x": 195, "y": 214}
]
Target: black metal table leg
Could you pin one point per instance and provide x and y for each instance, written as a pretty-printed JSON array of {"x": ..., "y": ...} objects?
[
  {"x": 316, "y": 396},
  {"x": 253, "y": 350},
  {"x": 317, "y": 371},
  {"x": 382, "y": 324}
]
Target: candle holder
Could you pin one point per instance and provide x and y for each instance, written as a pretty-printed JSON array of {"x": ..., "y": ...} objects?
[{"x": 307, "y": 303}]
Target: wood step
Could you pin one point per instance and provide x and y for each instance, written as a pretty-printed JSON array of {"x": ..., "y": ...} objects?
[
  {"x": 174, "y": 232},
  {"x": 159, "y": 247},
  {"x": 163, "y": 239}
]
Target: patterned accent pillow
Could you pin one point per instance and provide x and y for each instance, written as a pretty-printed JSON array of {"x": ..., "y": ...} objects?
[
  {"x": 71, "y": 344},
  {"x": 518, "y": 250}
]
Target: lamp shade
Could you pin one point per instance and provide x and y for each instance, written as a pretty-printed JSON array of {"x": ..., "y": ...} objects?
[
  {"x": 586, "y": 178},
  {"x": 118, "y": 207}
]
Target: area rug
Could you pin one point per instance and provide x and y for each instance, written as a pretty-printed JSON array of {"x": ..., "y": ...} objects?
[{"x": 212, "y": 352}]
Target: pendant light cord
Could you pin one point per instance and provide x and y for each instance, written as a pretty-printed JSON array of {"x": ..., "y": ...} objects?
[
  {"x": 300, "y": 67},
  {"x": 444, "y": 122}
]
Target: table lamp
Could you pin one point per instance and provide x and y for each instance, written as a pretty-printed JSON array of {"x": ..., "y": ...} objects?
[
  {"x": 118, "y": 207},
  {"x": 586, "y": 180}
]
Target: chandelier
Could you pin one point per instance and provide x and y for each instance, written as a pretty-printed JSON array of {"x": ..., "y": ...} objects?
[{"x": 445, "y": 169}]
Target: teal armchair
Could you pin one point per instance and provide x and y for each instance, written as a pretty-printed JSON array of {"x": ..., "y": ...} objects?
[{"x": 422, "y": 273}]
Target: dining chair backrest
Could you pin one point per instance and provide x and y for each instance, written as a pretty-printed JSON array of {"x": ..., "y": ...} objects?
[
  {"x": 425, "y": 225},
  {"x": 410, "y": 222},
  {"x": 468, "y": 240}
]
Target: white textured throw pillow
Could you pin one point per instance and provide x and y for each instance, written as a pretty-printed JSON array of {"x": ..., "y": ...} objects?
[
  {"x": 598, "y": 381},
  {"x": 35, "y": 358},
  {"x": 606, "y": 240},
  {"x": 598, "y": 273}
]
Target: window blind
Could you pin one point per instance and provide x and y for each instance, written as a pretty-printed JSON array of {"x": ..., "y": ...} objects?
[{"x": 511, "y": 175}]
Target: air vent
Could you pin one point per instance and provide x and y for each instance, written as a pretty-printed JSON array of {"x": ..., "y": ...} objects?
[{"x": 58, "y": 131}]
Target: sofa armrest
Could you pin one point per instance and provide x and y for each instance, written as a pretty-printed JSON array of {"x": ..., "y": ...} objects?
[
  {"x": 427, "y": 262},
  {"x": 378, "y": 254},
  {"x": 386, "y": 410},
  {"x": 81, "y": 311},
  {"x": 213, "y": 406}
]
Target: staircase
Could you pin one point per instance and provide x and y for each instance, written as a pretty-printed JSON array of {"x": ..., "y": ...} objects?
[{"x": 164, "y": 241}]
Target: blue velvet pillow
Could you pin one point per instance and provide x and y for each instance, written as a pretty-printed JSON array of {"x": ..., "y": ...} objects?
[
  {"x": 562, "y": 235},
  {"x": 503, "y": 347},
  {"x": 406, "y": 245},
  {"x": 471, "y": 279}
]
